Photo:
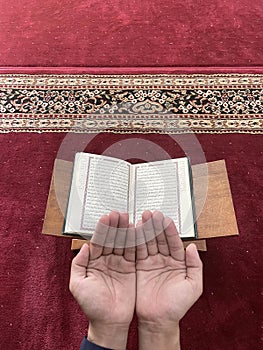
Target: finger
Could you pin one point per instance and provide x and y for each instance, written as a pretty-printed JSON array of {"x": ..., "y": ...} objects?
[
  {"x": 159, "y": 231},
  {"x": 141, "y": 247},
  {"x": 149, "y": 233},
  {"x": 99, "y": 237},
  {"x": 194, "y": 267},
  {"x": 174, "y": 242},
  {"x": 129, "y": 253},
  {"x": 110, "y": 238},
  {"x": 80, "y": 263},
  {"x": 121, "y": 234}
]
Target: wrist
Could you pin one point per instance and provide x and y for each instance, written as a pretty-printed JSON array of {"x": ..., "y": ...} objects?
[
  {"x": 159, "y": 336},
  {"x": 112, "y": 336}
]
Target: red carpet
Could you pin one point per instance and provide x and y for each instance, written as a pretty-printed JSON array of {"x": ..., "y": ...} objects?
[
  {"x": 97, "y": 33},
  {"x": 37, "y": 310},
  {"x": 185, "y": 37}
]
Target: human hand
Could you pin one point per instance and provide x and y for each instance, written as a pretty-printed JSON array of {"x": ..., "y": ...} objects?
[
  {"x": 169, "y": 281},
  {"x": 103, "y": 281}
]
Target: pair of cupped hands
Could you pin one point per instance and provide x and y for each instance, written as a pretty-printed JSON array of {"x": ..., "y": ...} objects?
[{"x": 143, "y": 268}]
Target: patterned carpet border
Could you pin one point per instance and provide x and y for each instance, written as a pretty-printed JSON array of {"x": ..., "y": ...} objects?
[{"x": 145, "y": 103}]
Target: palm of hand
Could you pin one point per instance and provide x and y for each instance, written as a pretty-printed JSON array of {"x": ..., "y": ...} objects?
[
  {"x": 112, "y": 280},
  {"x": 103, "y": 274},
  {"x": 163, "y": 293},
  {"x": 169, "y": 279}
]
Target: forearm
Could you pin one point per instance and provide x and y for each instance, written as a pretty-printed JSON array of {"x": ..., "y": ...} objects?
[
  {"x": 159, "y": 337},
  {"x": 108, "y": 335}
]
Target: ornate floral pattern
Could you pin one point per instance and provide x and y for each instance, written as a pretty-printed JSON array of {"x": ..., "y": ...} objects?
[{"x": 144, "y": 103}]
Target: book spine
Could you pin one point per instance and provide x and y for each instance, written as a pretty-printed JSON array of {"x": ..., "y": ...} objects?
[{"x": 131, "y": 193}]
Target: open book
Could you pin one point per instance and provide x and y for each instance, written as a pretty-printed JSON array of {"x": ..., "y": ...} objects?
[{"x": 101, "y": 184}]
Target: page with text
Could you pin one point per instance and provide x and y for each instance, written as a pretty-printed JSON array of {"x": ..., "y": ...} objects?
[
  {"x": 100, "y": 184},
  {"x": 165, "y": 186}
]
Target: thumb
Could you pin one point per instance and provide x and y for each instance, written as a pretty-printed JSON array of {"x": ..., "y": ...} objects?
[
  {"x": 80, "y": 263},
  {"x": 194, "y": 267}
]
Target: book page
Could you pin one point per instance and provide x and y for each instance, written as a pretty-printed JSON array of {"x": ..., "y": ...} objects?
[
  {"x": 99, "y": 185},
  {"x": 165, "y": 186}
]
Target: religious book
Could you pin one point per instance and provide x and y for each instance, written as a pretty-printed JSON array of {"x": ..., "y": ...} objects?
[{"x": 101, "y": 184}]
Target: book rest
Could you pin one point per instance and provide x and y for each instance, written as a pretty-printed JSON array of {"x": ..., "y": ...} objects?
[{"x": 215, "y": 206}]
